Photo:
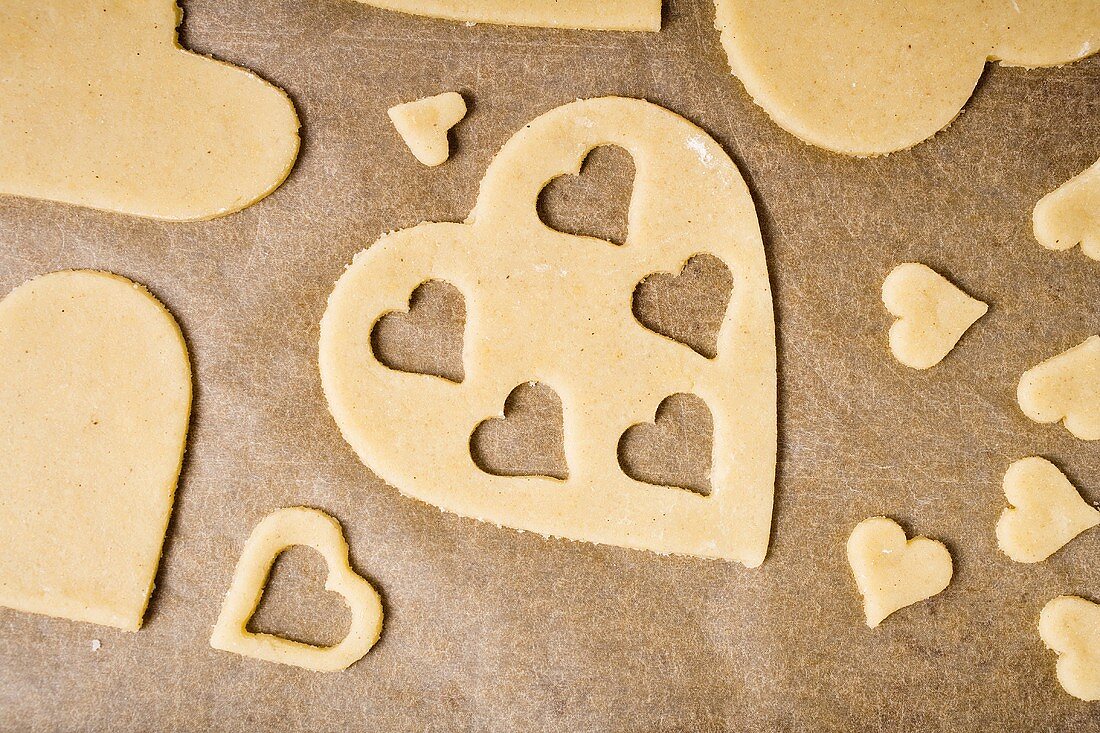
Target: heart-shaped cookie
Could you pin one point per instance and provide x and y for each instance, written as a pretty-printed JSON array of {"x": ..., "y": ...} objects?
[
  {"x": 275, "y": 533},
  {"x": 1070, "y": 627},
  {"x": 423, "y": 125},
  {"x": 688, "y": 307},
  {"x": 95, "y": 395},
  {"x": 1045, "y": 511},
  {"x": 1066, "y": 387},
  {"x": 426, "y": 339},
  {"x": 866, "y": 77},
  {"x": 675, "y": 449},
  {"x": 527, "y": 439},
  {"x": 1070, "y": 214},
  {"x": 103, "y": 108},
  {"x": 892, "y": 573},
  {"x": 932, "y": 314},
  {"x": 551, "y": 307}
]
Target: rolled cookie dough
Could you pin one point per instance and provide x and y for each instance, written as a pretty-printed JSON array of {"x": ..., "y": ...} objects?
[
  {"x": 1070, "y": 627},
  {"x": 1045, "y": 511},
  {"x": 932, "y": 314},
  {"x": 604, "y": 15},
  {"x": 424, "y": 123},
  {"x": 102, "y": 108},
  {"x": 556, "y": 308},
  {"x": 1070, "y": 214},
  {"x": 275, "y": 533},
  {"x": 866, "y": 77},
  {"x": 95, "y": 394},
  {"x": 1066, "y": 387},
  {"x": 892, "y": 573}
]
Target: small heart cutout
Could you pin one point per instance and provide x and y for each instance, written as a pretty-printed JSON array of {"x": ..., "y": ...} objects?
[
  {"x": 1045, "y": 511},
  {"x": 674, "y": 450},
  {"x": 528, "y": 440},
  {"x": 892, "y": 573},
  {"x": 1070, "y": 627},
  {"x": 594, "y": 202},
  {"x": 688, "y": 307},
  {"x": 1066, "y": 387},
  {"x": 275, "y": 533},
  {"x": 427, "y": 339},
  {"x": 424, "y": 123},
  {"x": 1070, "y": 214},
  {"x": 932, "y": 314}
]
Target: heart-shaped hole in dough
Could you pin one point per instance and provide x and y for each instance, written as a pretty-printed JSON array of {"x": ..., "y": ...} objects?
[
  {"x": 674, "y": 450},
  {"x": 688, "y": 307},
  {"x": 527, "y": 440},
  {"x": 595, "y": 201},
  {"x": 295, "y": 604},
  {"x": 426, "y": 339}
]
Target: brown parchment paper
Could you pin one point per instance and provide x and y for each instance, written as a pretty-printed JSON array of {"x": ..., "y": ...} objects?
[{"x": 490, "y": 629}]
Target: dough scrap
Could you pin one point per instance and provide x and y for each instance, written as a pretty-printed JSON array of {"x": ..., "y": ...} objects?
[
  {"x": 1070, "y": 214},
  {"x": 557, "y": 309},
  {"x": 868, "y": 77},
  {"x": 95, "y": 397},
  {"x": 275, "y": 533},
  {"x": 1066, "y": 387},
  {"x": 1070, "y": 627},
  {"x": 424, "y": 123},
  {"x": 1045, "y": 511},
  {"x": 892, "y": 573},
  {"x": 102, "y": 108},
  {"x": 932, "y": 314},
  {"x": 605, "y": 15}
]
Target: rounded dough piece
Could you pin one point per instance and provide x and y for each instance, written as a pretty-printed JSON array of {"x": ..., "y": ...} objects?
[
  {"x": 868, "y": 77},
  {"x": 101, "y": 107},
  {"x": 95, "y": 395}
]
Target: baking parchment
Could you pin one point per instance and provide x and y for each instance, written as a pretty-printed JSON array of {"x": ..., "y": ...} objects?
[{"x": 490, "y": 629}]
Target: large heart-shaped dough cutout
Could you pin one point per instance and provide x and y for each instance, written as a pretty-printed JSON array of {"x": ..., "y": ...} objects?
[
  {"x": 932, "y": 314},
  {"x": 1070, "y": 627},
  {"x": 865, "y": 77},
  {"x": 1070, "y": 214},
  {"x": 101, "y": 107},
  {"x": 95, "y": 395},
  {"x": 555, "y": 308},
  {"x": 673, "y": 450},
  {"x": 1046, "y": 511},
  {"x": 1066, "y": 387},
  {"x": 275, "y": 533},
  {"x": 892, "y": 573},
  {"x": 688, "y": 307},
  {"x": 527, "y": 439},
  {"x": 605, "y": 15}
]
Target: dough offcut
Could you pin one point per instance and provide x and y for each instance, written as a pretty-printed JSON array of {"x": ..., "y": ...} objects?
[
  {"x": 100, "y": 107},
  {"x": 95, "y": 395}
]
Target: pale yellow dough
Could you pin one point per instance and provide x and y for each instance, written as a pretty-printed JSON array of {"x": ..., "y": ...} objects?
[
  {"x": 555, "y": 308},
  {"x": 95, "y": 395},
  {"x": 867, "y": 77},
  {"x": 424, "y": 123},
  {"x": 601, "y": 15},
  {"x": 1045, "y": 511},
  {"x": 1070, "y": 214},
  {"x": 275, "y": 533},
  {"x": 1070, "y": 627},
  {"x": 892, "y": 573},
  {"x": 932, "y": 314},
  {"x": 100, "y": 107},
  {"x": 1066, "y": 387}
]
